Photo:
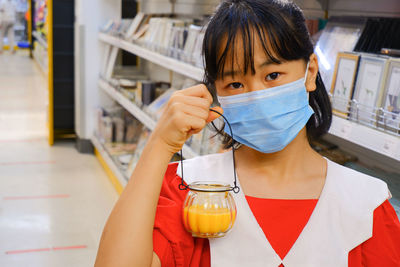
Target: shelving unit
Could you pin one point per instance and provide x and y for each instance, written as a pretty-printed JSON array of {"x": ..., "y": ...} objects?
[
  {"x": 40, "y": 39},
  {"x": 172, "y": 64},
  {"x": 369, "y": 138},
  {"x": 117, "y": 177},
  {"x": 372, "y": 139},
  {"x": 177, "y": 66},
  {"x": 137, "y": 112},
  {"x": 40, "y": 53}
]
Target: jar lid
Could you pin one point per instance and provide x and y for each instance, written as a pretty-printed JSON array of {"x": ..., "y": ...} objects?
[{"x": 209, "y": 187}]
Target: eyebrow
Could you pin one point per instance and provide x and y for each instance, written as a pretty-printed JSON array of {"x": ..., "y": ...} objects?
[
  {"x": 269, "y": 62},
  {"x": 231, "y": 73},
  {"x": 236, "y": 72}
]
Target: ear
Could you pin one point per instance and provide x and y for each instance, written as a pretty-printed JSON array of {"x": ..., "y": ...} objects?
[{"x": 312, "y": 74}]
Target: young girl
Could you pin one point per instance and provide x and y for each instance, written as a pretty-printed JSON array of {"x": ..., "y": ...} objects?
[{"x": 295, "y": 208}]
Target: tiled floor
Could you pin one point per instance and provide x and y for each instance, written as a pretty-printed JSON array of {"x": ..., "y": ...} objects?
[{"x": 54, "y": 201}]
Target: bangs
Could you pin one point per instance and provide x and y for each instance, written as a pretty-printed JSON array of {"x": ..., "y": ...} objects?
[
  {"x": 248, "y": 35},
  {"x": 241, "y": 24}
]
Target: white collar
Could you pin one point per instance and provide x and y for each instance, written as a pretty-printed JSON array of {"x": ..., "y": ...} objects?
[{"x": 334, "y": 228}]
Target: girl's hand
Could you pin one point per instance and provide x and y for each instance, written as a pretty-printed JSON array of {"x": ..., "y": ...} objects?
[{"x": 187, "y": 113}]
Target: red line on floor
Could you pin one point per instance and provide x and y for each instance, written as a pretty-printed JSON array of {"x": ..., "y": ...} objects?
[
  {"x": 35, "y": 197},
  {"x": 27, "y": 250},
  {"x": 69, "y": 248},
  {"x": 45, "y": 249},
  {"x": 27, "y": 163}
]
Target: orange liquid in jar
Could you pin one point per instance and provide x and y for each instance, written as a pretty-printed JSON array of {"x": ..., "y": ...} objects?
[{"x": 200, "y": 220}]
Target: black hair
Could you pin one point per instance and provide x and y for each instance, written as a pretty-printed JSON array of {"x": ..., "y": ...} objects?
[{"x": 280, "y": 25}]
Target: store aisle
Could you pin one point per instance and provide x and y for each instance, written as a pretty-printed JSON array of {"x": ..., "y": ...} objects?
[{"x": 54, "y": 201}]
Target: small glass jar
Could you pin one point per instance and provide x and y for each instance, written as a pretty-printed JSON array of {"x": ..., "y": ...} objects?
[{"x": 209, "y": 210}]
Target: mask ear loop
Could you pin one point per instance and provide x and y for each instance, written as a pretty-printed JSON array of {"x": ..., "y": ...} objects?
[
  {"x": 305, "y": 79},
  {"x": 235, "y": 188}
]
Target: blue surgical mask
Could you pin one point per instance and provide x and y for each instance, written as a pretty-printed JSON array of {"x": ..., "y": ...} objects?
[{"x": 269, "y": 119}]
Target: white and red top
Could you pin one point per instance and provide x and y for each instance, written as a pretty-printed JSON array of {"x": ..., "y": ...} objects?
[{"x": 351, "y": 224}]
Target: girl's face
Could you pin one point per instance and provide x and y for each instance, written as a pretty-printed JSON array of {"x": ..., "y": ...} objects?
[{"x": 267, "y": 73}]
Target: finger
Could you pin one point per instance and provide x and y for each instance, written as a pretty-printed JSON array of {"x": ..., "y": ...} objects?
[
  {"x": 197, "y": 124},
  {"x": 191, "y": 100},
  {"x": 213, "y": 115},
  {"x": 199, "y": 90},
  {"x": 190, "y": 110},
  {"x": 189, "y": 123}
]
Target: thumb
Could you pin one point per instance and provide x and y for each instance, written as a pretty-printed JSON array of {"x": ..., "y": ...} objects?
[{"x": 213, "y": 115}]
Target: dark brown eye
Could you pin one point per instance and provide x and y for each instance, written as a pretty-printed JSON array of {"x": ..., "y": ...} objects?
[
  {"x": 235, "y": 85},
  {"x": 272, "y": 76}
]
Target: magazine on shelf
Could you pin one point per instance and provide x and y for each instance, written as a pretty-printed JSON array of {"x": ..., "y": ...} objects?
[
  {"x": 111, "y": 62},
  {"x": 133, "y": 129},
  {"x": 106, "y": 55},
  {"x": 177, "y": 42},
  {"x": 334, "y": 38},
  {"x": 190, "y": 44},
  {"x": 106, "y": 130},
  {"x": 157, "y": 106},
  {"x": 107, "y": 27},
  {"x": 197, "y": 57},
  {"x": 143, "y": 28},
  {"x": 390, "y": 120},
  {"x": 119, "y": 129},
  {"x": 127, "y": 83},
  {"x": 124, "y": 27},
  {"x": 172, "y": 38},
  {"x": 134, "y": 26},
  {"x": 152, "y": 33},
  {"x": 343, "y": 83},
  {"x": 142, "y": 31},
  {"x": 368, "y": 90},
  {"x": 118, "y": 149}
]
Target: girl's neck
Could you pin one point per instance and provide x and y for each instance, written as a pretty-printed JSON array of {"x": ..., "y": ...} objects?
[{"x": 295, "y": 160}]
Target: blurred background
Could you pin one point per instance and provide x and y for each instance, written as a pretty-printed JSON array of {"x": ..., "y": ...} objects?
[{"x": 83, "y": 83}]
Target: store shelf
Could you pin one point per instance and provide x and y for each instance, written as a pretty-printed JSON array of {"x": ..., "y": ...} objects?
[
  {"x": 109, "y": 162},
  {"x": 372, "y": 139},
  {"x": 40, "y": 39},
  {"x": 164, "y": 61},
  {"x": 39, "y": 60},
  {"x": 137, "y": 112}
]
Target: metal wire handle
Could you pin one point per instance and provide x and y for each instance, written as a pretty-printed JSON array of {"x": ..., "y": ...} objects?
[{"x": 235, "y": 188}]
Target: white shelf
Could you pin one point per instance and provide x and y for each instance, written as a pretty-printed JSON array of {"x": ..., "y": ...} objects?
[
  {"x": 40, "y": 39},
  {"x": 138, "y": 112},
  {"x": 372, "y": 139},
  {"x": 128, "y": 105},
  {"x": 164, "y": 61},
  {"x": 110, "y": 163}
]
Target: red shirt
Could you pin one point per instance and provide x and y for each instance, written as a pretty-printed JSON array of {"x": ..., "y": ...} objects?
[{"x": 281, "y": 220}]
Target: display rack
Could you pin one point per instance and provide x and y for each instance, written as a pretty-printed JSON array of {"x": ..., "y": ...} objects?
[
  {"x": 116, "y": 176},
  {"x": 39, "y": 52},
  {"x": 177, "y": 66},
  {"x": 40, "y": 39},
  {"x": 137, "y": 112},
  {"x": 372, "y": 139}
]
